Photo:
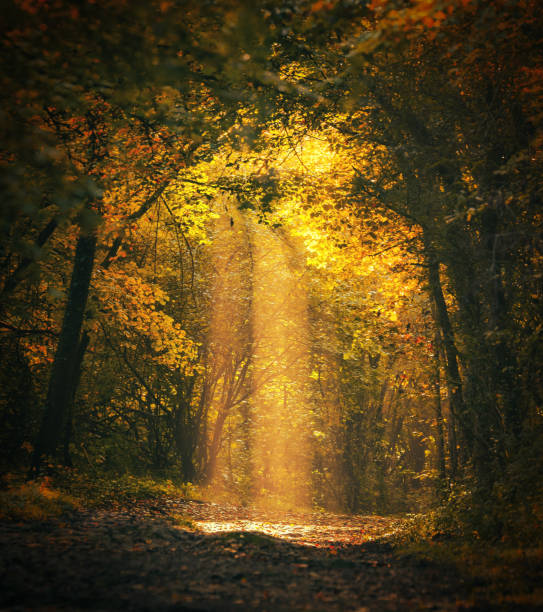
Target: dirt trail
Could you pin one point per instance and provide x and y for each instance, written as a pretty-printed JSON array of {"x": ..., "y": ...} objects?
[{"x": 235, "y": 559}]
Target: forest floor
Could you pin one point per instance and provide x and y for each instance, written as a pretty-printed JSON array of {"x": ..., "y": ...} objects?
[{"x": 189, "y": 555}]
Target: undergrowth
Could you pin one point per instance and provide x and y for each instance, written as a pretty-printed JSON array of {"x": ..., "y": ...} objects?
[
  {"x": 120, "y": 490},
  {"x": 495, "y": 542},
  {"x": 35, "y": 501},
  {"x": 68, "y": 490}
]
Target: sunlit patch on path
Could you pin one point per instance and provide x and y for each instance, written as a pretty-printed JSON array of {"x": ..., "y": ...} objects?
[
  {"x": 308, "y": 534},
  {"x": 309, "y": 529},
  {"x": 303, "y": 533}
]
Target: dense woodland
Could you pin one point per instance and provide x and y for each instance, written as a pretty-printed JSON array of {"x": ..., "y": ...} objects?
[{"x": 282, "y": 250}]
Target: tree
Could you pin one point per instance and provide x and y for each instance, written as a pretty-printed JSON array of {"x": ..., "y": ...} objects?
[{"x": 96, "y": 136}]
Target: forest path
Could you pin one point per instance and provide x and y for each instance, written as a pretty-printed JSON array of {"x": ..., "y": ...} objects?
[{"x": 235, "y": 559}]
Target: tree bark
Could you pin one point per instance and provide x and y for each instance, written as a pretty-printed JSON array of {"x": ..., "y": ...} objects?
[
  {"x": 68, "y": 429},
  {"x": 64, "y": 371},
  {"x": 440, "y": 442},
  {"x": 454, "y": 382},
  {"x": 475, "y": 424}
]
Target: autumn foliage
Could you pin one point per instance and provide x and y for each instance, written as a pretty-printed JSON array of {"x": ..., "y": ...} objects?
[{"x": 288, "y": 252}]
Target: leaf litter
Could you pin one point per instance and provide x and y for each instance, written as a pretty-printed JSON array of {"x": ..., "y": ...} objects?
[{"x": 188, "y": 555}]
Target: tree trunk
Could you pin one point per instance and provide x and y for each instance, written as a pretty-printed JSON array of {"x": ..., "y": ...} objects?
[
  {"x": 215, "y": 446},
  {"x": 64, "y": 370},
  {"x": 184, "y": 440},
  {"x": 454, "y": 382},
  {"x": 503, "y": 363},
  {"x": 476, "y": 424},
  {"x": 69, "y": 427},
  {"x": 440, "y": 437}
]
